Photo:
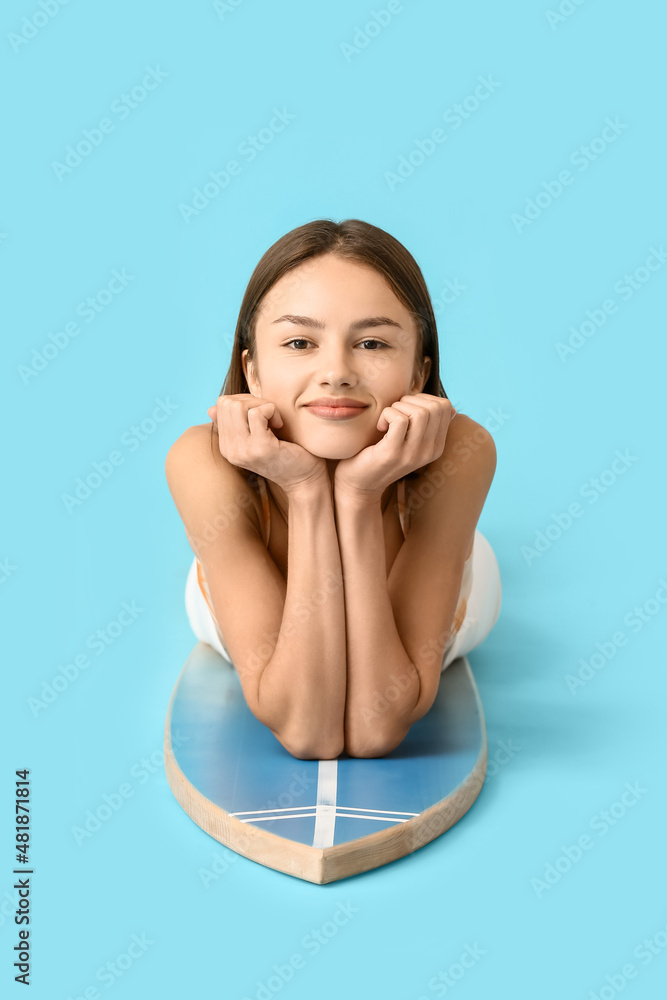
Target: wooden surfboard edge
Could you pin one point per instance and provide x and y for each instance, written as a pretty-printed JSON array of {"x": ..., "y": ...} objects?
[
  {"x": 324, "y": 865},
  {"x": 377, "y": 849},
  {"x": 257, "y": 845}
]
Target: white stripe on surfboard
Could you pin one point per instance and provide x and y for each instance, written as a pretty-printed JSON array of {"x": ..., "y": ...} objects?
[
  {"x": 378, "y": 819},
  {"x": 267, "y": 812},
  {"x": 325, "y": 809}
]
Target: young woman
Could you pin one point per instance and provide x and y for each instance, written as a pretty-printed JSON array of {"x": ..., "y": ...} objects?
[{"x": 332, "y": 503}]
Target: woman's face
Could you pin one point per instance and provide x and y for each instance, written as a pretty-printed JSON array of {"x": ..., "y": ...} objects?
[{"x": 333, "y": 328}]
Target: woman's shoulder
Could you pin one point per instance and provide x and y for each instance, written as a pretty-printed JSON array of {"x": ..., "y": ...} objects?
[
  {"x": 197, "y": 446},
  {"x": 465, "y": 438},
  {"x": 194, "y": 463}
]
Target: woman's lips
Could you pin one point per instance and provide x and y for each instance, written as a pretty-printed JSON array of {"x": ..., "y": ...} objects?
[{"x": 336, "y": 412}]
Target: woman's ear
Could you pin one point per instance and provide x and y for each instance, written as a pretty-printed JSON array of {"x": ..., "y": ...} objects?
[
  {"x": 425, "y": 372},
  {"x": 249, "y": 372}
]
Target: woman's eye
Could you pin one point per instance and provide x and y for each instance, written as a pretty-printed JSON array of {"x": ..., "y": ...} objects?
[
  {"x": 303, "y": 340},
  {"x": 297, "y": 340}
]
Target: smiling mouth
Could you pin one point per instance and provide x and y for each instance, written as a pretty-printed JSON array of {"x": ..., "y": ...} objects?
[{"x": 336, "y": 412}]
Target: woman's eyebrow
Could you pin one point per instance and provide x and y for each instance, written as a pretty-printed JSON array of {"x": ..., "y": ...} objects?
[{"x": 360, "y": 324}]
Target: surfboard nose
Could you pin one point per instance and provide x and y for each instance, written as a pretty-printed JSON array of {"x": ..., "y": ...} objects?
[{"x": 325, "y": 820}]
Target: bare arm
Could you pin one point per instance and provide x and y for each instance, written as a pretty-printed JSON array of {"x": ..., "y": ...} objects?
[
  {"x": 377, "y": 662},
  {"x": 286, "y": 639},
  {"x": 302, "y": 688},
  {"x": 397, "y": 627}
]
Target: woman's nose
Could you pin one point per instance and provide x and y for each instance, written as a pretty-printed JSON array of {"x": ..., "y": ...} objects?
[
  {"x": 346, "y": 366},
  {"x": 336, "y": 365}
]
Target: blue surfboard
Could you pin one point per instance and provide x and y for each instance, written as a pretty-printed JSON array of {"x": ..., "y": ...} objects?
[{"x": 319, "y": 820}]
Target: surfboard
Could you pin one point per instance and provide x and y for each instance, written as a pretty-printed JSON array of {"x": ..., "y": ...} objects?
[{"x": 319, "y": 820}]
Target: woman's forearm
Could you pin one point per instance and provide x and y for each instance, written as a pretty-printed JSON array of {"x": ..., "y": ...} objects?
[
  {"x": 302, "y": 689},
  {"x": 376, "y": 658}
]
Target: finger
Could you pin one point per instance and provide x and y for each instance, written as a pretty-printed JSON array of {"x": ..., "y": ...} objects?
[
  {"x": 263, "y": 417},
  {"x": 398, "y": 425},
  {"x": 426, "y": 401},
  {"x": 430, "y": 413},
  {"x": 275, "y": 418},
  {"x": 233, "y": 421},
  {"x": 422, "y": 425},
  {"x": 449, "y": 415},
  {"x": 427, "y": 396},
  {"x": 433, "y": 403},
  {"x": 213, "y": 410}
]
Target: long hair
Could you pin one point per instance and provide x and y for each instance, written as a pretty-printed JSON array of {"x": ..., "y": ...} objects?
[{"x": 352, "y": 240}]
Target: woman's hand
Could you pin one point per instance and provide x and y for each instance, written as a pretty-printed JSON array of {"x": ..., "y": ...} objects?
[
  {"x": 416, "y": 428},
  {"x": 245, "y": 439}
]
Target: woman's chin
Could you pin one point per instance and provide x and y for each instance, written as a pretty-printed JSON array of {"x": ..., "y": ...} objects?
[
  {"x": 334, "y": 440},
  {"x": 335, "y": 450}
]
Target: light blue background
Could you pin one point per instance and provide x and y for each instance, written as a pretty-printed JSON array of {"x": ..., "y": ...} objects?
[{"x": 167, "y": 336}]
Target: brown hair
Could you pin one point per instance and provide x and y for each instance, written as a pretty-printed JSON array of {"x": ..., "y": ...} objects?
[{"x": 353, "y": 240}]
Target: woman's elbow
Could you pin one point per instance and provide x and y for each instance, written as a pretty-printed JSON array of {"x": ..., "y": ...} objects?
[
  {"x": 382, "y": 743},
  {"x": 308, "y": 749}
]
